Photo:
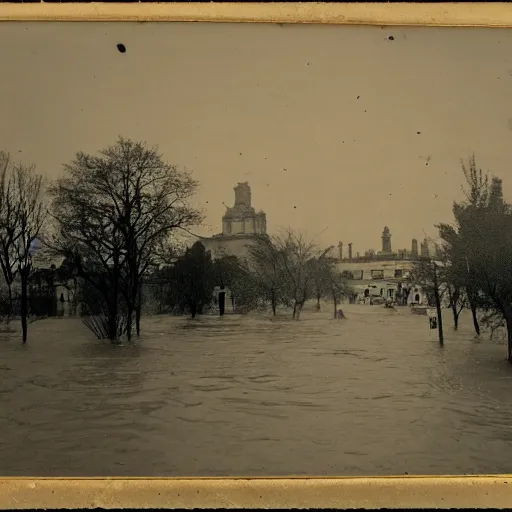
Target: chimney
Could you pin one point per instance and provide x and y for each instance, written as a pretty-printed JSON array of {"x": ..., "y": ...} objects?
[
  {"x": 340, "y": 248},
  {"x": 350, "y": 251},
  {"x": 386, "y": 240},
  {"x": 425, "y": 253},
  {"x": 414, "y": 248}
]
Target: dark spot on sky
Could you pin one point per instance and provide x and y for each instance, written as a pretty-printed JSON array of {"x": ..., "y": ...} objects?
[
  {"x": 357, "y": 98},
  {"x": 285, "y": 170},
  {"x": 121, "y": 47},
  {"x": 240, "y": 154},
  {"x": 418, "y": 133},
  {"x": 295, "y": 207},
  {"x": 391, "y": 38},
  {"x": 365, "y": 110}
]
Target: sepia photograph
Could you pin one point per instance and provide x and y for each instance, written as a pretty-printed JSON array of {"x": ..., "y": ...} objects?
[{"x": 255, "y": 250}]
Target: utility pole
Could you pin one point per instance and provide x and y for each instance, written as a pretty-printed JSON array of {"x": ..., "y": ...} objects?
[{"x": 438, "y": 305}]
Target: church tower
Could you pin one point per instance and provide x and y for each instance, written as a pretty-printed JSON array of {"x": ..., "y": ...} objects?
[
  {"x": 386, "y": 240},
  {"x": 242, "y": 218}
]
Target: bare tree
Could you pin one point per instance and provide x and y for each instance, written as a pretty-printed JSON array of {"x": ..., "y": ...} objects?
[
  {"x": 322, "y": 273},
  {"x": 116, "y": 208},
  {"x": 22, "y": 216},
  {"x": 8, "y": 232},
  {"x": 297, "y": 256},
  {"x": 329, "y": 282},
  {"x": 427, "y": 273},
  {"x": 265, "y": 266}
]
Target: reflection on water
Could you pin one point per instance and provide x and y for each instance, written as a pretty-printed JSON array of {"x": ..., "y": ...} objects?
[{"x": 255, "y": 396}]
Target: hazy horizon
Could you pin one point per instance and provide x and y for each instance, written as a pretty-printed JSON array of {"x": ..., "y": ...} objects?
[{"x": 339, "y": 130}]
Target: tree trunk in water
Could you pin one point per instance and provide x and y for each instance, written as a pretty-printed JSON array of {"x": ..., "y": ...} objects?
[
  {"x": 476, "y": 325},
  {"x": 129, "y": 322},
  {"x": 222, "y": 303},
  {"x": 455, "y": 316},
  {"x": 114, "y": 304},
  {"x": 138, "y": 308},
  {"x": 507, "y": 313},
  {"x": 138, "y": 312},
  {"x": 112, "y": 308},
  {"x": 294, "y": 310},
  {"x": 274, "y": 301},
  {"x": 335, "y": 308},
  {"x": 300, "y": 305},
  {"x": 318, "y": 302},
  {"x": 24, "y": 305},
  {"x": 10, "y": 306},
  {"x": 75, "y": 297},
  {"x": 437, "y": 299},
  {"x": 10, "y": 312},
  {"x": 112, "y": 324},
  {"x": 193, "y": 310}
]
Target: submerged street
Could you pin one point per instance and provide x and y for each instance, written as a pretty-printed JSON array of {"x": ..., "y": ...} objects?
[{"x": 256, "y": 396}]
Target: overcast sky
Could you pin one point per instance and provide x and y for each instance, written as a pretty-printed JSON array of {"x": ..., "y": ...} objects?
[{"x": 322, "y": 121}]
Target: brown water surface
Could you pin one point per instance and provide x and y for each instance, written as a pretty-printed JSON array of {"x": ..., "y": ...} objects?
[{"x": 254, "y": 396}]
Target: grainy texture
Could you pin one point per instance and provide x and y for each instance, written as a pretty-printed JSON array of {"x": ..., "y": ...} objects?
[
  {"x": 384, "y": 492},
  {"x": 344, "y": 493}
]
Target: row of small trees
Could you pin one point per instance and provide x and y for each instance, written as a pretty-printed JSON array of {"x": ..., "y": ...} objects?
[
  {"x": 474, "y": 270},
  {"x": 106, "y": 215},
  {"x": 285, "y": 270},
  {"x": 111, "y": 216}
]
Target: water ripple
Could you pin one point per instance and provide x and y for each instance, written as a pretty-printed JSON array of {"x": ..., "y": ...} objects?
[{"x": 255, "y": 395}]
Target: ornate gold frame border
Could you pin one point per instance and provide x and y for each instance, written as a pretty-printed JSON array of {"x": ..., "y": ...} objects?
[
  {"x": 482, "y": 491},
  {"x": 472, "y": 14}
]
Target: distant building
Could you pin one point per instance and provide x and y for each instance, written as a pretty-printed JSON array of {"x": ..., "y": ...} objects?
[
  {"x": 240, "y": 225},
  {"x": 385, "y": 273}
]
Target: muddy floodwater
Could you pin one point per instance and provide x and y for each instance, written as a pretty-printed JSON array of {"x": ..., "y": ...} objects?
[{"x": 252, "y": 396}]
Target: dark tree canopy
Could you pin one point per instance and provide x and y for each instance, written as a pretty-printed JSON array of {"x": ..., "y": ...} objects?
[
  {"x": 193, "y": 280},
  {"x": 112, "y": 210}
]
